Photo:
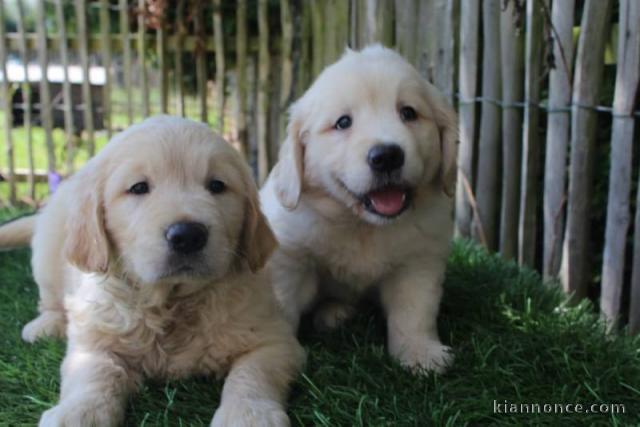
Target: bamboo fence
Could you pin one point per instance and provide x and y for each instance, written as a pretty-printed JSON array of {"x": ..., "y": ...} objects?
[{"x": 526, "y": 76}]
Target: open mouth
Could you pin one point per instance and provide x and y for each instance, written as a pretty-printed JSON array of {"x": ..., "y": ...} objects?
[{"x": 388, "y": 201}]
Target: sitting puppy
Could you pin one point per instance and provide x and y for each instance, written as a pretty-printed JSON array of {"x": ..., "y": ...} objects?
[
  {"x": 360, "y": 199},
  {"x": 148, "y": 260}
]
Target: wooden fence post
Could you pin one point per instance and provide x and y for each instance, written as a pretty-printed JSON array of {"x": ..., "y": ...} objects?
[
  {"x": 511, "y": 55},
  {"x": 468, "y": 78},
  {"x": 201, "y": 64},
  {"x": 180, "y": 31},
  {"x": 87, "y": 99},
  {"x": 586, "y": 85},
  {"x": 555, "y": 179},
  {"x": 528, "y": 215},
  {"x": 161, "y": 48},
  {"x": 241, "y": 71},
  {"x": 286, "y": 85},
  {"x": 141, "y": 57},
  {"x": 262, "y": 101},
  {"x": 634, "y": 310},
  {"x": 487, "y": 186},
  {"x": 317, "y": 35},
  {"x": 220, "y": 65},
  {"x": 66, "y": 88},
  {"x": 45, "y": 90},
  {"x": 7, "y": 107},
  {"x": 618, "y": 210},
  {"x": 407, "y": 28},
  {"x": 26, "y": 99},
  {"x": 105, "y": 38},
  {"x": 126, "y": 53}
]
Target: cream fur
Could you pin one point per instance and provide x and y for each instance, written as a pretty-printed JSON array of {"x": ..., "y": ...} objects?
[
  {"x": 129, "y": 312},
  {"x": 331, "y": 247}
]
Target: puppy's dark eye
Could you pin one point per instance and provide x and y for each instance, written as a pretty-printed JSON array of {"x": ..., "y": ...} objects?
[
  {"x": 216, "y": 186},
  {"x": 139, "y": 188},
  {"x": 343, "y": 123},
  {"x": 408, "y": 114}
]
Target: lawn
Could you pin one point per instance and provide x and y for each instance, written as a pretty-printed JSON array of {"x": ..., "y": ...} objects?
[{"x": 513, "y": 337}]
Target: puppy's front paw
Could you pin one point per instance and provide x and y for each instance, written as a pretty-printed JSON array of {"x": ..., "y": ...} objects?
[
  {"x": 48, "y": 324},
  {"x": 73, "y": 414},
  {"x": 421, "y": 355},
  {"x": 332, "y": 314},
  {"x": 250, "y": 413}
]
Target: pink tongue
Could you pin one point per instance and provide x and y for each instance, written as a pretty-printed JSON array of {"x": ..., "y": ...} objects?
[{"x": 388, "y": 201}]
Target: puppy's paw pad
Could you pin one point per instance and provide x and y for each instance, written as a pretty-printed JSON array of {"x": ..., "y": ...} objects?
[
  {"x": 330, "y": 315},
  {"x": 428, "y": 357},
  {"x": 250, "y": 413},
  {"x": 47, "y": 324}
]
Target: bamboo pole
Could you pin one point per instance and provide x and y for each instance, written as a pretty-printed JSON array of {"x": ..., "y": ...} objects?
[
  {"x": 586, "y": 82},
  {"x": 142, "y": 57},
  {"x": 286, "y": 81},
  {"x": 428, "y": 38},
  {"x": 336, "y": 33},
  {"x": 220, "y": 65},
  {"x": 618, "y": 210},
  {"x": 66, "y": 88},
  {"x": 407, "y": 28},
  {"x": 180, "y": 29},
  {"x": 241, "y": 67},
  {"x": 555, "y": 179},
  {"x": 7, "y": 107},
  {"x": 45, "y": 90},
  {"x": 511, "y": 48},
  {"x": 26, "y": 99},
  {"x": 529, "y": 187},
  {"x": 376, "y": 22},
  {"x": 83, "y": 50},
  {"x": 161, "y": 48},
  {"x": 126, "y": 54},
  {"x": 487, "y": 186},
  {"x": 263, "y": 91},
  {"x": 201, "y": 65},
  {"x": 443, "y": 77},
  {"x": 302, "y": 76},
  {"x": 468, "y": 72},
  {"x": 317, "y": 34},
  {"x": 634, "y": 310},
  {"x": 105, "y": 38}
]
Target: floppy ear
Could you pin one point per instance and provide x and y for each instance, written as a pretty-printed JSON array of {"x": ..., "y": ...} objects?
[
  {"x": 288, "y": 173},
  {"x": 86, "y": 245},
  {"x": 257, "y": 240},
  {"x": 447, "y": 122}
]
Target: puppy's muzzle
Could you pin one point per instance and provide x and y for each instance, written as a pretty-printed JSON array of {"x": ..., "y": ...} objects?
[
  {"x": 186, "y": 237},
  {"x": 385, "y": 158}
]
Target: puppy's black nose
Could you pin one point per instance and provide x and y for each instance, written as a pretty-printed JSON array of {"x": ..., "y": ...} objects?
[
  {"x": 186, "y": 237},
  {"x": 385, "y": 157}
]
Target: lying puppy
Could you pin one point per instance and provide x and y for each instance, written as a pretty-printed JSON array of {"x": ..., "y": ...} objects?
[
  {"x": 148, "y": 260},
  {"x": 360, "y": 199}
]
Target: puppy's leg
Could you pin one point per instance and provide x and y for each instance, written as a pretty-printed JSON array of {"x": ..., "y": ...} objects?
[
  {"x": 411, "y": 299},
  {"x": 255, "y": 390},
  {"x": 295, "y": 285},
  {"x": 95, "y": 386},
  {"x": 331, "y": 314}
]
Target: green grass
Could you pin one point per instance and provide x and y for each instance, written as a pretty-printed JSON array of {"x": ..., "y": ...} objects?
[{"x": 513, "y": 337}]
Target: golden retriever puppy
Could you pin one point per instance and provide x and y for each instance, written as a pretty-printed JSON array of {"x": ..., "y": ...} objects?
[
  {"x": 360, "y": 200},
  {"x": 149, "y": 261}
]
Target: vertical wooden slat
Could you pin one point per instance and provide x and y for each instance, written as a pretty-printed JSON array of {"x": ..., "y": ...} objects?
[
  {"x": 487, "y": 187},
  {"x": 66, "y": 87},
  {"x": 161, "y": 48},
  {"x": 286, "y": 82},
  {"x": 83, "y": 50},
  {"x": 126, "y": 55},
  {"x": 407, "y": 28},
  {"x": 7, "y": 108},
  {"x": 201, "y": 65},
  {"x": 555, "y": 176},
  {"x": 317, "y": 34},
  {"x": 45, "y": 90},
  {"x": 468, "y": 75},
  {"x": 220, "y": 65},
  {"x": 634, "y": 309},
  {"x": 427, "y": 38},
  {"x": 586, "y": 84},
  {"x": 336, "y": 32},
  {"x": 105, "y": 38},
  {"x": 241, "y": 66},
  {"x": 618, "y": 210},
  {"x": 511, "y": 49},
  {"x": 142, "y": 57},
  {"x": 302, "y": 76},
  {"x": 181, "y": 30},
  {"x": 529, "y": 183},
  {"x": 444, "y": 73},
  {"x": 26, "y": 98},
  {"x": 376, "y": 21},
  {"x": 263, "y": 90}
]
